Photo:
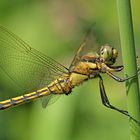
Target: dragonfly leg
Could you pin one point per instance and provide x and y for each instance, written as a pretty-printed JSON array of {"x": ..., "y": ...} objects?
[
  {"x": 115, "y": 68},
  {"x": 122, "y": 79},
  {"x": 105, "y": 100}
]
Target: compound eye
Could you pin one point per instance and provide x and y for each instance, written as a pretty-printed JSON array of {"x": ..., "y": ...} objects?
[
  {"x": 106, "y": 52},
  {"x": 115, "y": 53}
]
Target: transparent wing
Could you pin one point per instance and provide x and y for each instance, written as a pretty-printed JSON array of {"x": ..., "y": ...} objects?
[
  {"x": 50, "y": 99},
  {"x": 89, "y": 45},
  {"x": 27, "y": 67}
]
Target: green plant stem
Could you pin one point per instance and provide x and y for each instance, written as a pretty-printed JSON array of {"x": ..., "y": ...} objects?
[{"x": 130, "y": 66}]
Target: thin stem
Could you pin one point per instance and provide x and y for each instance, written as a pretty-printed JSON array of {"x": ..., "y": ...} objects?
[{"x": 130, "y": 66}]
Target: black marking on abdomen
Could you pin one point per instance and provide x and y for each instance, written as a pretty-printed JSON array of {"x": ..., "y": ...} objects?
[
  {"x": 25, "y": 98},
  {"x": 59, "y": 83},
  {"x": 1, "y": 106},
  {"x": 49, "y": 88},
  {"x": 13, "y": 102}
]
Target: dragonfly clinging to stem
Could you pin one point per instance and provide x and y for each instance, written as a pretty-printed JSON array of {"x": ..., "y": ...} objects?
[{"x": 48, "y": 77}]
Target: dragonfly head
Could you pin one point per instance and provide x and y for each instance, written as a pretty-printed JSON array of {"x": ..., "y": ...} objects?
[{"x": 108, "y": 54}]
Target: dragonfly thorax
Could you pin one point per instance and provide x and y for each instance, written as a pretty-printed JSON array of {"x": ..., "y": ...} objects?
[
  {"x": 90, "y": 57},
  {"x": 82, "y": 72}
]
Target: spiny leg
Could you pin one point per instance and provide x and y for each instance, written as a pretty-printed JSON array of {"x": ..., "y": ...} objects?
[
  {"x": 106, "y": 102},
  {"x": 122, "y": 79},
  {"x": 115, "y": 68}
]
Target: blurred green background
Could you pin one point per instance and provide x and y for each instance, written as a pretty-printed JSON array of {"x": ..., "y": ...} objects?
[{"x": 56, "y": 28}]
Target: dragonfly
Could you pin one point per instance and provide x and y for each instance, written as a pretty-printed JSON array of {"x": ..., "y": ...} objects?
[{"x": 47, "y": 78}]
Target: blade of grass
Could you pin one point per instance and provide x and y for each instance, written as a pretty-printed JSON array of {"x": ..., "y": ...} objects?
[{"x": 130, "y": 65}]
